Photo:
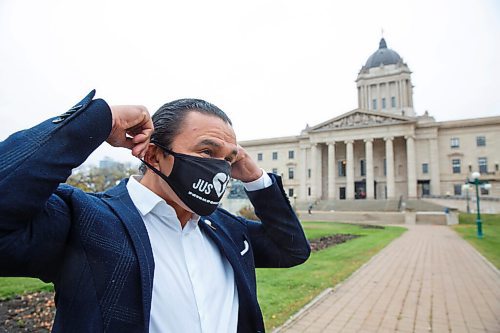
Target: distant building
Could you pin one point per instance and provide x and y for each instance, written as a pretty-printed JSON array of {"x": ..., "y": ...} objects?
[
  {"x": 109, "y": 163},
  {"x": 383, "y": 149}
]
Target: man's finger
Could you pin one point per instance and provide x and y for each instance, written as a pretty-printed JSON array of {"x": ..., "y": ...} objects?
[
  {"x": 127, "y": 143},
  {"x": 139, "y": 138}
]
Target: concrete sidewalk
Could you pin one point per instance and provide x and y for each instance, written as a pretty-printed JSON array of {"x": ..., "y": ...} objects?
[{"x": 428, "y": 280}]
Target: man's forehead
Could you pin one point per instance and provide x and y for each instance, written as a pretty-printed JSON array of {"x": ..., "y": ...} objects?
[{"x": 207, "y": 123}]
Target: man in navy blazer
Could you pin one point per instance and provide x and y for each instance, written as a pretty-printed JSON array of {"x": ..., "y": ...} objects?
[{"x": 155, "y": 248}]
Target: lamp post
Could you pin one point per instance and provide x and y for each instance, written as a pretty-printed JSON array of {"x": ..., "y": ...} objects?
[{"x": 477, "y": 183}]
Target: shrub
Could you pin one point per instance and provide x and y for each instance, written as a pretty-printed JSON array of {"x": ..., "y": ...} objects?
[{"x": 248, "y": 213}]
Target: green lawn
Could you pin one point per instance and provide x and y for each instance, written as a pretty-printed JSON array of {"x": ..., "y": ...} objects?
[
  {"x": 15, "y": 286},
  {"x": 282, "y": 292},
  {"x": 489, "y": 245}
]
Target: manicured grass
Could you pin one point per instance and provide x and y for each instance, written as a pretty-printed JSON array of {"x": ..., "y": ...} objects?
[
  {"x": 12, "y": 286},
  {"x": 282, "y": 292},
  {"x": 489, "y": 245}
]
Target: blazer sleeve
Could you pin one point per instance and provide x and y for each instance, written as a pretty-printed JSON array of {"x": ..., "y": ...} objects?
[
  {"x": 34, "y": 222},
  {"x": 278, "y": 240}
]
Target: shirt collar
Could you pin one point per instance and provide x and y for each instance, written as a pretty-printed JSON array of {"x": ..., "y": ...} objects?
[{"x": 146, "y": 200}]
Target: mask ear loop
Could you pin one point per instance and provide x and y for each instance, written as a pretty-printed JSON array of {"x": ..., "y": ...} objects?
[
  {"x": 165, "y": 149},
  {"x": 152, "y": 168}
]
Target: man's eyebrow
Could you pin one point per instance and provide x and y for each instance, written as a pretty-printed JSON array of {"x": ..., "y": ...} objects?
[{"x": 208, "y": 142}]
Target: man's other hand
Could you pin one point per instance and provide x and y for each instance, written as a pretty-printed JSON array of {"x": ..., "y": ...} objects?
[
  {"x": 132, "y": 128},
  {"x": 244, "y": 167}
]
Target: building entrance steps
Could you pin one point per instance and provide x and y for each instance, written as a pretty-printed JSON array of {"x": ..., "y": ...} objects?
[
  {"x": 428, "y": 280},
  {"x": 370, "y": 205}
]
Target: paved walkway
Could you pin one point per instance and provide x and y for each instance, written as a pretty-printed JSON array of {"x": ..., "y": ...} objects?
[{"x": 428, "y": 280}]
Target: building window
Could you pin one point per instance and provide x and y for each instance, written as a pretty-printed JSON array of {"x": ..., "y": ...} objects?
[
  {"x": 393, "y": 102},
  {"x": 259, "y": 157},
  {"x": 374, "y": 104},
  {"x": 385, "y": 167},
  {"x": 291, "y": 154},
  {"x": 362, "y": 168},
  {"x": 454, "y": 142},
  {"x": 483, "y": 164},
  {"x": 309, "y": 191},
  {"x": 425, "y": 168},
  {"x": 308, "y": 173},
  {"x": 481, "y": 141},
  {"x": 342, "y": 168},
  {"x": 290, "y": 192},
  {"x": 457, "y": 189},
  {"x": 275, "y": 171},
  {"x": 290, "y": 173},
  {"x": 455, "y": 165},
  {"x": 275, "y": 155},
  {"x": 383, "y": 103}
]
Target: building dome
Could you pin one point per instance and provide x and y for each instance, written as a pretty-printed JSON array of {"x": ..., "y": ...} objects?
[{"x": 383, "y": 56}]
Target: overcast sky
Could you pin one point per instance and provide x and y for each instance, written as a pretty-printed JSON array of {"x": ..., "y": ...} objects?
[{"x": 273, "y": 66}]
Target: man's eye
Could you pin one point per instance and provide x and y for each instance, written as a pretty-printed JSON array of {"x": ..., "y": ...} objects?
[{"x": 207, "y": 152}]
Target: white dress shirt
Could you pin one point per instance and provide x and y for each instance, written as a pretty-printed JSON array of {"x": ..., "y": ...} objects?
[{"x": 193, "y": 285}]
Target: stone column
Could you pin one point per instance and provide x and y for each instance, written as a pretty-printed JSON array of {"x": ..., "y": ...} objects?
[
  {"x": 369, "y": 97},
  {"x": 389, "y": 161},
  {"x": 434, "y": 165},
  {"x": 370, "y": 190},
  {"x": 315, "y": 172},
  {"x": 364, "y": 98},
  {"x": 361, "y": 97},
  {"x": 331, "y": 171},
  {"x": 303, "y": 173},
  {"x": 379, "y": 100},
  {"x": 411, "y": 166},
  {"x": 400, "y": 93},
  {"x": 314, "y": 163},
  {"x": 403, "y": 93},
  {"x": 350, "y": 169}
]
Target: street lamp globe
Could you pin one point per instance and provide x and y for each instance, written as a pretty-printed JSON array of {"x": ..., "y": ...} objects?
[
  {"x": 475, "y": 175},
  {"x": 487, "y": 186},
  {"x": 465, "y": 187}
]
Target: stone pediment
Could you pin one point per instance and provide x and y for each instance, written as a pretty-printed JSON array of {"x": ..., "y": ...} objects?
[{"x": 360, "y": 118}]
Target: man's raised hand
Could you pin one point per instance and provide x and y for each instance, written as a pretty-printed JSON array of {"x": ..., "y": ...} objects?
[
  {"x": 132, "y": 128},
  {"x": 244, "y": 167}
]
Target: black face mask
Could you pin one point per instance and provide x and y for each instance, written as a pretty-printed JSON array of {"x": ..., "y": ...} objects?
[{"x": 199, "y": 182}]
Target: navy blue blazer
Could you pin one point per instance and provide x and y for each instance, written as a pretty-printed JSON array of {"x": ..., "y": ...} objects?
[{"x": 95, "y": 247}]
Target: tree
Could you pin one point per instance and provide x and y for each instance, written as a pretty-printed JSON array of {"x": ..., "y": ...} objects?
[{"x": 95, "y": 179}]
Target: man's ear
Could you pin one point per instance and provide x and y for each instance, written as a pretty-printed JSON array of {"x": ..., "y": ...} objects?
[{"x": 152, "y": 155}]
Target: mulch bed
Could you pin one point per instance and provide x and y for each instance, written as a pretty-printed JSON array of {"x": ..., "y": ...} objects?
[
  {"x": 28, "y": 313},
  {"x": 35, "y": 312},
  {"x": 327, "y": 241}
]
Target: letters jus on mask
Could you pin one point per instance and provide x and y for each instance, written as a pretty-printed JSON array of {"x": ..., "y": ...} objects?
[{"x": 199, "y": 182}]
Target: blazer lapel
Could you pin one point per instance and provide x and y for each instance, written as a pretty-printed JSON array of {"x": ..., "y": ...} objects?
[
  {"x": 119, "y": 200},
  {"x": 246, "y": 296}
]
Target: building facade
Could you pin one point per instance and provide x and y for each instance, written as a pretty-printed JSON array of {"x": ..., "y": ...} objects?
[{"x": 383, "y": 149}]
